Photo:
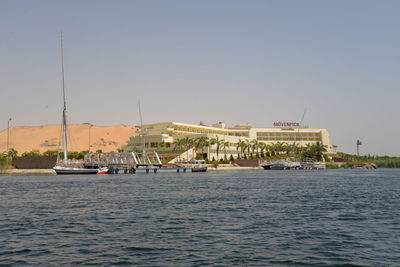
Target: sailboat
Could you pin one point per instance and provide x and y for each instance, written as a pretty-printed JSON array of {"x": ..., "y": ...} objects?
[{"x": 65, "y": 167}]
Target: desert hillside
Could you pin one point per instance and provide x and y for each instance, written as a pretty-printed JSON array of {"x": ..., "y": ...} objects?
[{"x": 48, "y": 137}]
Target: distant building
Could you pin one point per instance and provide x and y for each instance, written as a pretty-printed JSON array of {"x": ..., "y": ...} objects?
[{"x": 165, "y": 134}]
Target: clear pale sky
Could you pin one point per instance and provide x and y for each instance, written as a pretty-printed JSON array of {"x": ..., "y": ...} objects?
[{"x": 251, "y": 62}]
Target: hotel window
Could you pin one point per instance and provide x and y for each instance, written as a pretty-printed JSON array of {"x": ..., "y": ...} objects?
[{"x": 153, "y": 144}]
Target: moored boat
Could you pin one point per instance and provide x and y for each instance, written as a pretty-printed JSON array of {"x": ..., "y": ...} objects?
[
  {"x": 72, "y": 170},
  {"x": 305, "y": 164},
  {"x": 65, "y": 166},
  {"x": 282, "y": 164},
  {"x": 194, "y": 165},
  {"x": 199, "y": 169},
  {"x": 266, "y": 166}
]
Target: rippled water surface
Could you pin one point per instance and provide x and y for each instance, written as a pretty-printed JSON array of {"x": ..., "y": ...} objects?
[{"x": 241, "y": 218}]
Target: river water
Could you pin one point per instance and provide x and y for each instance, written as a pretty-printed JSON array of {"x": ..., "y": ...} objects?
[{"x": 225, "y": 218}]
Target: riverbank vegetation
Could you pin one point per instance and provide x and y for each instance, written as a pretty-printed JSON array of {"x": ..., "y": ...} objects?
[{"x": 351, "y": 161}]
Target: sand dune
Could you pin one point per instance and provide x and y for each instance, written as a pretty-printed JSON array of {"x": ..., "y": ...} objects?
[{"x": 48, "y": 137}]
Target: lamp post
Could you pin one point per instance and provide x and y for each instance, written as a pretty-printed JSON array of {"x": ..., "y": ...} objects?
[
  {"x": 8, "y": 133},
  {"x": 358, "y": 143},
  {"x": 90, "y": 126}
]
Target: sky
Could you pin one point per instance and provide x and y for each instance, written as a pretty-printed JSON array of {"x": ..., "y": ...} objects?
[{"x": 233, "y": 61}]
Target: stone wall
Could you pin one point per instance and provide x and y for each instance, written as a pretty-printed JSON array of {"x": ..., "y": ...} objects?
[
  {"x": 248, "y": 162},
  {"x": 34, "y": 162}
]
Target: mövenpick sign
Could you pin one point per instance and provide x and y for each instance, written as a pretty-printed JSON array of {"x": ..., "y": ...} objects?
[{"x": 286, "y": 124}]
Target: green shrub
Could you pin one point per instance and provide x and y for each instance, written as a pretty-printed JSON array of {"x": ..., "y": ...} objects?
[
  {"x": 3, "y": 161},
  {"x": 32, "y": 153},
  {"x": 388, "y": 163},
  {"x": 348, "y": 164},
  {"x": 332, "y": 166},
  {"x": 50, "y": 153}
]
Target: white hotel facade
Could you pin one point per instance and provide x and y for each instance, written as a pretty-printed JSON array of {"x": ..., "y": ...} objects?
[{"x": 285, "y": 132}]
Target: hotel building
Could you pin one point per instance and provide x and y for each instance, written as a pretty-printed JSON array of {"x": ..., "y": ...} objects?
[{"x": 167, "y": 133}]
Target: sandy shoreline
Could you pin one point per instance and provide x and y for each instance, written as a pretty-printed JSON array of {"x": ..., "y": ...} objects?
[
  {"x": 233, "y": 168},
  {"x": 27, "y": 171}
]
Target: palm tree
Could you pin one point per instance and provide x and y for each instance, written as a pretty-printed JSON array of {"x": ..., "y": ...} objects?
[
  {"x": 300, "y": 149},
  {"x": 224, "y": 145},
  {"x": 178, "y": 145},
  {"x": 12, "y": 153},
  {"x": 162, "y": 144},
  {"x": 296, "y": 149},
  {"x": 187, "y": 144},
  {"x": 308, "y": 147},
  {"x": 287, "y": 148},
  {"x": 248, "y": 147},
  {"x": 210, "y": 143},
  {"x": 314, "y": 151},
  {"x": 207, "y": 144},
  {"x": 242, "y": 146},
  {"x": 268, "y": 150},
  {"x": 272, "y": 149},
  {"x": 319, "y": 150},
  {"x": 238, "y": 146},
  {"x": 262, "y": 146},
  {"x": 254, "y": 144},
  {"x": 218, "y": 142},
  {"x": 200, "y": 143},
  {"x": 308, "y": 151},
  {"x": 279, "y": 148}
]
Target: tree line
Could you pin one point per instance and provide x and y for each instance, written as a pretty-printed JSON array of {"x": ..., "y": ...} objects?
[{"x": 12, "y": 153}]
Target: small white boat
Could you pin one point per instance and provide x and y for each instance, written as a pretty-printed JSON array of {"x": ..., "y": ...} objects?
[
  {"x": 199, "y": 169},
  {"x": 194, "y": 165}
]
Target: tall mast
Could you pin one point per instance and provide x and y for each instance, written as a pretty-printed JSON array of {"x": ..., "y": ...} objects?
[
  {"x": 142, "y": 131},
  {"x": 298, "y": 132},
  {"x": 64, "y": 119}
]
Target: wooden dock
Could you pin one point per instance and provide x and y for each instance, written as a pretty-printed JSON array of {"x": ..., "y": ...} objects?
[{"x": 131, "y": 163}]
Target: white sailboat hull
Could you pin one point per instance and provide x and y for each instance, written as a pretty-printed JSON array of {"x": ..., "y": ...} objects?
[{"x": 69, "y": 170}]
